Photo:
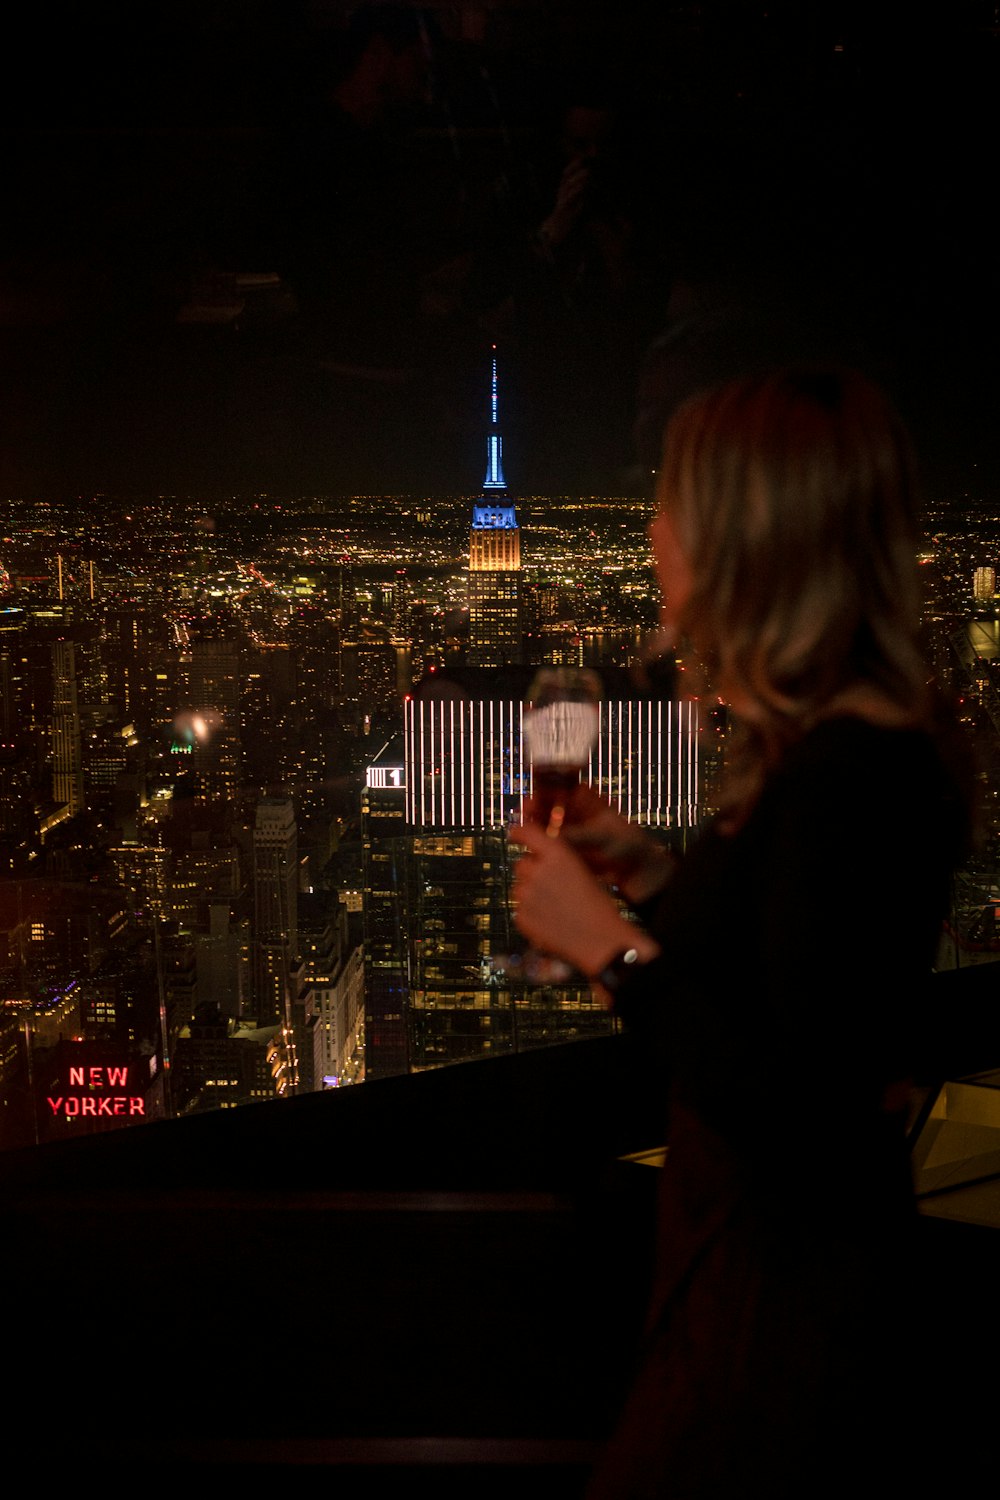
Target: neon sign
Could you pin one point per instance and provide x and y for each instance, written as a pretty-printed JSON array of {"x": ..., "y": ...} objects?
[
  {"x": 388, "y": 778},
  {"x": 99, "y": 1099}
]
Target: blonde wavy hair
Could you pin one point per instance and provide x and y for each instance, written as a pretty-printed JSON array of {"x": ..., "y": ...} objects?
[{"x": 793, "y": 499}]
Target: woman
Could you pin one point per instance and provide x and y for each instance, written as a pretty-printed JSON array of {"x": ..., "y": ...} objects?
[{"x": 771, "y": 973}]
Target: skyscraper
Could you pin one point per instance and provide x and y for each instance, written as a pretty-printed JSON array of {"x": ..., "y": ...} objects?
[
  {"x": 437, "y": 870},
  {"x": 275, "y": 899},
  {"x": 984, "y": 584},
  {"x": 215, "y": 700},
  {"x": 464, "y": 764},
  {"x": 496, "y": 633},
  {"x": 437, "y": 913},
  {"x": 67, "y": 751}
]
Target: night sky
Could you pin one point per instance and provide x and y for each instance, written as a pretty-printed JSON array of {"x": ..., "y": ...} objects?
[{"x": 777, "y": 180}]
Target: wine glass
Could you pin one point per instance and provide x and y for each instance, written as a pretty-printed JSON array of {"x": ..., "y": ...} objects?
[{"x": 560, "y": 727}]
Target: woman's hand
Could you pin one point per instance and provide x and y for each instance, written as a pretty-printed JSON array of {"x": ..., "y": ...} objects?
[
  {"x": 564, "y": 910},
  {"x": 615, "y": 850}
]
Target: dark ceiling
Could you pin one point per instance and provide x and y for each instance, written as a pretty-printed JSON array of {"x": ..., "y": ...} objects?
[{"x": 786, "y": 178}]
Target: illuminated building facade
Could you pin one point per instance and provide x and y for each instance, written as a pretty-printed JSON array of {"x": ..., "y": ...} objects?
[
  {"x": 464, "y": 763},
  {"x": 127, "y": 647},
  {"x": 496, "y": 627},
  {"x": 984, "y": 584},
  {"x": 275, "y": 896},
  {"x": 220, "y": 1064},
  {"x": 333, "y": 994},
  {"x": 437, "y": 907},
  {"x": 86, "y": 1087},
  {"x": 438, "y": 871},
  {"x": 67, "y": 745},
  {"x": 383, "y": 833}
]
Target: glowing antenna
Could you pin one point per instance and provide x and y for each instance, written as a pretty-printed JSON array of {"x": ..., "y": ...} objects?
[{"x": 494, "y": 443}]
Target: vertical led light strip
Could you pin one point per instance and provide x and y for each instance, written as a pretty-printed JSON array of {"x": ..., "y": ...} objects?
[
  {"x": 461, "y": 771},
  {"x": 414, "y": 772},
  {"x": 694, "y": 761},
  {"x": 437, "y": 752},
  {"x": 507, "y": 728},
  {"x": 447, "y": 813},
  {"x": 408, "y": 758},
  {"x": 619, "y": 755},
  {"x": 687, "y": 764},
  {"x": 630, "y": 743},
  {"x": 451, "y": 752},
  {"x": 670, "y": 764},
  {"x": 695, "y": 723},
  {"x": 605, "y": 768},
  {"x": 430, "y": 716},
  {"x": 659, "y": 763},
  {"x": 649, "y": 763},
  {"x": 499, "y": 773},
  {"x": 480, "y": 749},
  {"x": 520, "y": 755},
  {"x": 600, "y": 747},
  {"x": 423, "y": 763},
  {"x": 492, "y": 758},
  {"x": 697, "y": 767},
  {"x": 510, "y": 742}
]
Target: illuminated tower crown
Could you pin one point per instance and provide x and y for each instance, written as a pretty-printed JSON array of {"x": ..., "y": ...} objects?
[
  {"x": 499, "y": 552},
  {"x": 495, "y": 628}
]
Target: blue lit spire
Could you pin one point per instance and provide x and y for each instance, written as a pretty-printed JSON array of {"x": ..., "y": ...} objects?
[{"x": 494, "y": 442}]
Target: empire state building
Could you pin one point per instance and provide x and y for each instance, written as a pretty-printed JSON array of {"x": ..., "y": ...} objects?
[{"x": 496, "y": 635}]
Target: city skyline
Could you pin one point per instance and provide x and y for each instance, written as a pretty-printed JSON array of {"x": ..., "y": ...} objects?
[
  {"x": 235, "y": 540},
  {"x": 261, "y": 689}
]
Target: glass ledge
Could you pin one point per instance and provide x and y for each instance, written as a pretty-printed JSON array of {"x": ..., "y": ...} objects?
[
  {"x": 654, "y": 1157},
  {"x": 959, "y": 1141}
]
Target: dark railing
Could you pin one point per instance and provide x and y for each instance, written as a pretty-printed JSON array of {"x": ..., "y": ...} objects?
[{"x": 444, "y": 1273}]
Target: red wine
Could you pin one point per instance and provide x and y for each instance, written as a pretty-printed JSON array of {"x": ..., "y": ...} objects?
[{"x": 552, "y": 789}]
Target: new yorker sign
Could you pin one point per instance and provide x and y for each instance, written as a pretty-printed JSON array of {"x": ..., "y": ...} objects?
[{"x": 96, "y": 1092}]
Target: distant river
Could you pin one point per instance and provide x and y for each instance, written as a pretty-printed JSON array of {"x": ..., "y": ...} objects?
[{"x": 979, "y": 639}]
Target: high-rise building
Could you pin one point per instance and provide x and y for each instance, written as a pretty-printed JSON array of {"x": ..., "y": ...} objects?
[
  {"x": 67, "y": 746},
  {"x": 496, "y": 629},
  {"x": 984, "y": 584},
  {"x": 438, "y": 871},
  {"x": 370, "y": 676},
  {"x": 215, "y": 702},
  {"x": 127, "y": 646},
  {"x": 465, "y": 764},
  {"x": 333, "y": 999},
  {"x": 275, "y": 901},
  {"x": 438, "y": 918},
  {"x": 383, "y": 831}
]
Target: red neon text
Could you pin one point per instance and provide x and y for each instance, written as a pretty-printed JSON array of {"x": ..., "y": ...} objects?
[
  {"x": 111, "y": 1104},
  {"x": 94, "y": 1077}
]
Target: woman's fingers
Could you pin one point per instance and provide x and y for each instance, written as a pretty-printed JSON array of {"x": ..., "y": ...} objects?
[{"x": 561, "y": 907}]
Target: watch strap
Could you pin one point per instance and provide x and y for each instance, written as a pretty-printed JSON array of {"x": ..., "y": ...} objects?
[{"x": 618, "y": 971}]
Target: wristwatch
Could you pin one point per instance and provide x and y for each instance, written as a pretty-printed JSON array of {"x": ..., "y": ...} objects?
[{"x": 615, "y": 974}]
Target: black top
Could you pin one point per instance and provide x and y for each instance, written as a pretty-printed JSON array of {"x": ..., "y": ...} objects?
[{"x": 795, "y": 950}]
